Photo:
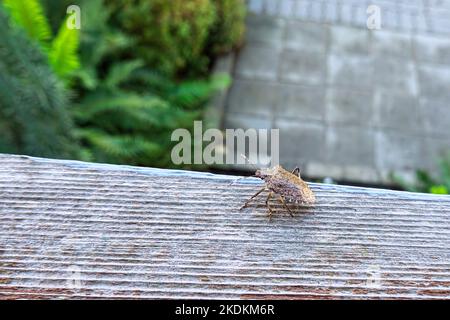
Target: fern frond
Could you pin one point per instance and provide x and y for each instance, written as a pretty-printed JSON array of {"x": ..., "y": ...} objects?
[
  {"x": 63, "y": 54},
  {"x": 124, "y": 111},
  {"x": 32, "y": 100},
  {"x": 29, "y": 14},
  {"x": 194, "y": 93},
  {"x": 118, "y": 147},
  {"x": 121, "y": 72},
  {"x": 188, "y": 94},
  {"x": 96, "y": 104},
  {"x": 88, "y": 77}
]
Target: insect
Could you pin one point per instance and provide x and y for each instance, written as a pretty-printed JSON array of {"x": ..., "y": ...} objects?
[{"x": 288, "y": 186}]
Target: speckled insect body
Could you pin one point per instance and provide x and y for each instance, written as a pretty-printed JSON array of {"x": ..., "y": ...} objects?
[{"x": 289, "y": 186}]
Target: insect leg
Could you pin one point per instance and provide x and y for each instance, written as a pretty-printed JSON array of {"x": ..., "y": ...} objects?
[
  {"x": 255, "y": 195},
  {"x": 267, "y": 203},
  {"x": 285, "y": 205}
]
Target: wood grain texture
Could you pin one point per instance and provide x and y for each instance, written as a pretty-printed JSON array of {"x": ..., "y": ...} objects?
[{"x": 79, "y": 230}]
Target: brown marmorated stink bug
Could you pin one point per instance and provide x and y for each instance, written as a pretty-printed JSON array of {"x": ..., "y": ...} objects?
[{"x": 289, "y": 187}]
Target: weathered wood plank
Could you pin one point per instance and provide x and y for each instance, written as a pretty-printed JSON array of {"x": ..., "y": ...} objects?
[{"x": 72, "y": 229}]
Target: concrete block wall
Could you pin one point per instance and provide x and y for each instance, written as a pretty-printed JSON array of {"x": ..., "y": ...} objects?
[{"x": 351, "y": 103}]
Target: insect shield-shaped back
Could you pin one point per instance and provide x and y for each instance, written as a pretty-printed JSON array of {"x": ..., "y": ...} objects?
[{"x": 289, "y": 186}]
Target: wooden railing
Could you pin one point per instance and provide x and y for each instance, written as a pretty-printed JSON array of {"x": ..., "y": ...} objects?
[{"x": 80, "y": 230}]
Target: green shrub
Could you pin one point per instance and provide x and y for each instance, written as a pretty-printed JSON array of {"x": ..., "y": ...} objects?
[
  {"x": 125, "y": 111},
  {"x": 60, "y": 50},
  {"x": 425, "y": 182},
  {"x": 130, "y": 83},
  {"x": 33, "y": 118},
  {"x": 181, "y": 37},
  {"x": 227, "y": 32},
  {"x": 56, "y": 11},
  {"x": 171, "y": 35}
]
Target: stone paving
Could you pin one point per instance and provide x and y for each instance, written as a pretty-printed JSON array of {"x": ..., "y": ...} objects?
[
  {"x": 351, "y": 103},
  {"x": 414, "y": 16}
]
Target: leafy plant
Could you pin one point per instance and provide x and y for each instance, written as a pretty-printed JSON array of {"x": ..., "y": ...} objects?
[
  {"x": 30, "y": 15},
  {"x": 60, "y": 50},
  {"x": 56, "y": 11},
  {"x": 170, "y": 35},
  {"x": 135, "y": 81},
  {"x": 425, "y": 182},
  {"x": 227, "y": 31},
  {"x": 181, "y": 37},
  {"x": 63, "y": 53},
  {"x": 126, "y": 111},
  {"x": 33, "y": 118}
]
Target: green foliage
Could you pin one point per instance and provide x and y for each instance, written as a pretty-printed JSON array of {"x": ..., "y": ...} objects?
[
  {"x": 181, "y": 37},
  {"x": 170, "y": 35},
  {"x": 33, "y": 118},
  {"x": 425, "y": 182},
  {"x": 56, "y": 11},
  {"x": 138, "y": 69},
  {"x": 62, "y": 50},
  {"x": 126, "y": 111},
  {"x": 227, "y": 32},
  {"x": 30, "y": 15}
]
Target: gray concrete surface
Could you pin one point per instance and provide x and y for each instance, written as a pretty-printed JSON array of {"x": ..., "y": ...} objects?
[{"x": 351, "y": 103}]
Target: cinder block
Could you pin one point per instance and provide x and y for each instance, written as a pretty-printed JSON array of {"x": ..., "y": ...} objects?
[
  {"x": 360, "y": 16},
  {"x": 346, "y": 13},
  {"x": 395, "y": 74},
  {"x": 399, "y": 151},
  {"x": 443, "y": 4},
  {"x": 255, "y": 6},
  {"x": 317, "y": 11},
  {"x": 307, "y": 36},
  {"x": 441, "y": 24},
  {"x": 302, "y": 9},
  {"x": 434, "y": 81},
  {"x": 391, "y": 44},
  {"x": 287, "y": 8},
  {"x": 245, "y": 121},
  {"x": 421, "y": 24},
  {"x": 436, "y": 117},
  {"x": 435, "y": 49},
  {"x": 350, "y": 71},
  {"x": 273, "y": 7},
  {"x": 301, "y": 102},
  {"x": 236, "y": 120},
  {"x": 331, "y": 13},
  {"x": 397, "y": 111},
  {"x": 252, "y": 97},
  {"x": 389, "y": 20},
  {"x": 349, "y": 40},
  {"x": 350, "y": 145},
  {"x": 300, "y": 141},
  {"x": 349, "y": 107},
  {"x": 257, "y": 62},
  {"x": 264, "y": 30},
  {"x": 302, "y": 67}
]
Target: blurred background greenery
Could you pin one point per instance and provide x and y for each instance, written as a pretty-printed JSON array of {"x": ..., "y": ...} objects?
[
  {"x": 426, "y": 182},
  {"x": 114, "y": 90}
]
